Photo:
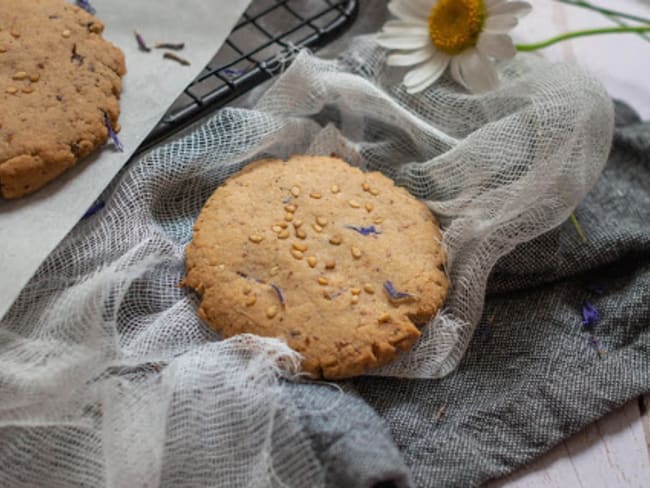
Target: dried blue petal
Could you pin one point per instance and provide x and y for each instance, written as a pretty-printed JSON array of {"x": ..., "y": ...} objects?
[
  {"x": 85, "y": 4},
  {"x": 175, "y": 46},
  {"x": 141, "y": 43},
  {"x": 276, "y": 288},
  {"x": 365, "y": 231},
  {"x": 279, "y": 293},
  {"x": 94, "y": 208},
  {"x": 233, "y": 72},
  {"x": 394, "y": 294},
  {"x": 112, "y": 133},
  {"x": 590, "y": 316}
]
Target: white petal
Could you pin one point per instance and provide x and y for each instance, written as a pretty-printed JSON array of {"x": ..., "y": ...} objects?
[
  {"x": 425, "y": 84},
  {"x": 408, "y": 10},
  {"x": 411, "y": 58},
  {"x": 455, "y": 71},
  {"x": 500, "y": 24},
  {"x": 422, "y": 86},
  {"x": 493, "y": 3},
  {"x": 427, "y": 72},
  {"x": 390, "y": 41},
  {"x": 477, "y": 72},
  {"x": 399, "y": 28},
  {"x": 399, "y": 24},
  {"x": 497, "y": 46},
  {"x": 518, "y": 9}
]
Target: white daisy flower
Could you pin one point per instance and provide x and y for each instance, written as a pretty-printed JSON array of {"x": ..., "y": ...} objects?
[{"x": 463, "y": 34}]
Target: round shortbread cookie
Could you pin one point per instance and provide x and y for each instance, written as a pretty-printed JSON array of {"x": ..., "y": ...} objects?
[
  {"x": 59, "y": 79},
  {"x": 339, "y": 263}
]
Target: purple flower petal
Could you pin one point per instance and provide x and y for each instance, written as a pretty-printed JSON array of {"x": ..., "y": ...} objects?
[
  {"x": 364, "y": 231},
  {"x": 112, "y": 133},
  {"x": 175, "y": 46},
  {"x": 394, "y": 294},
  {"x": 274, "y": 287},
  {"x": 141, "y": 43},
  {"x": 279, "y": 293},
  {"x": 590, "y": 316},
  {"x": 85, "y": 4},
  {"x": 233, "y": 71}
]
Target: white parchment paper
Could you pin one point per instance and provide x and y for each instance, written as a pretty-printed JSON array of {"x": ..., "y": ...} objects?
[{"x": 31, "y": 227}]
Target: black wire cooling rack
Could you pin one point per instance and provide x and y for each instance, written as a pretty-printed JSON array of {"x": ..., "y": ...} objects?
[{"x": 256, "y": 50}]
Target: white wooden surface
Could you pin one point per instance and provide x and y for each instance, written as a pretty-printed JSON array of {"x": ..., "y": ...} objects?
[{"x": 614, "y": 451}]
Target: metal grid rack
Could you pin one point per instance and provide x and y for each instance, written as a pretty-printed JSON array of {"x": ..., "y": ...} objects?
[{"x": 254, "y": 52}]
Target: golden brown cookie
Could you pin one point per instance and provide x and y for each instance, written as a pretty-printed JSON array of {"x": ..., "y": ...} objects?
[
  {"x": 339, "y": 263},
  {"x": 58, "y": 77}
]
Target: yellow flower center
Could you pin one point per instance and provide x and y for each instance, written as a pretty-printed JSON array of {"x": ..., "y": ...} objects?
[{"x": 454, "y": 25}]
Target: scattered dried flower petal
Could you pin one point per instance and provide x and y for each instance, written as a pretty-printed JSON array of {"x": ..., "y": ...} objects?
[
  {"x": 396, "y": 295},
  {"x": 365, "y": 231},
  {"x": 590, "y": 316},
  {"x": 279, "y": 293},
  {"x": 85, "y": 4},
  {"x": 176, "y": 57},
  {"x": 175, "y": 46},
  {"x": 112, "y": 133},
  {"x": 233, "y": 72},
  {"x": 141, "y": 44}
]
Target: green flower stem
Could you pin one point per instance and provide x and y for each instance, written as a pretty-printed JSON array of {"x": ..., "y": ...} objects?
[
  {"x": 581, "y": 33},
  {"x": 612, "y": 15},
  {"x": 576, "y": 224},
  {"x": 618, "y": 21},
  {"x": 605, "y": 11}
]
